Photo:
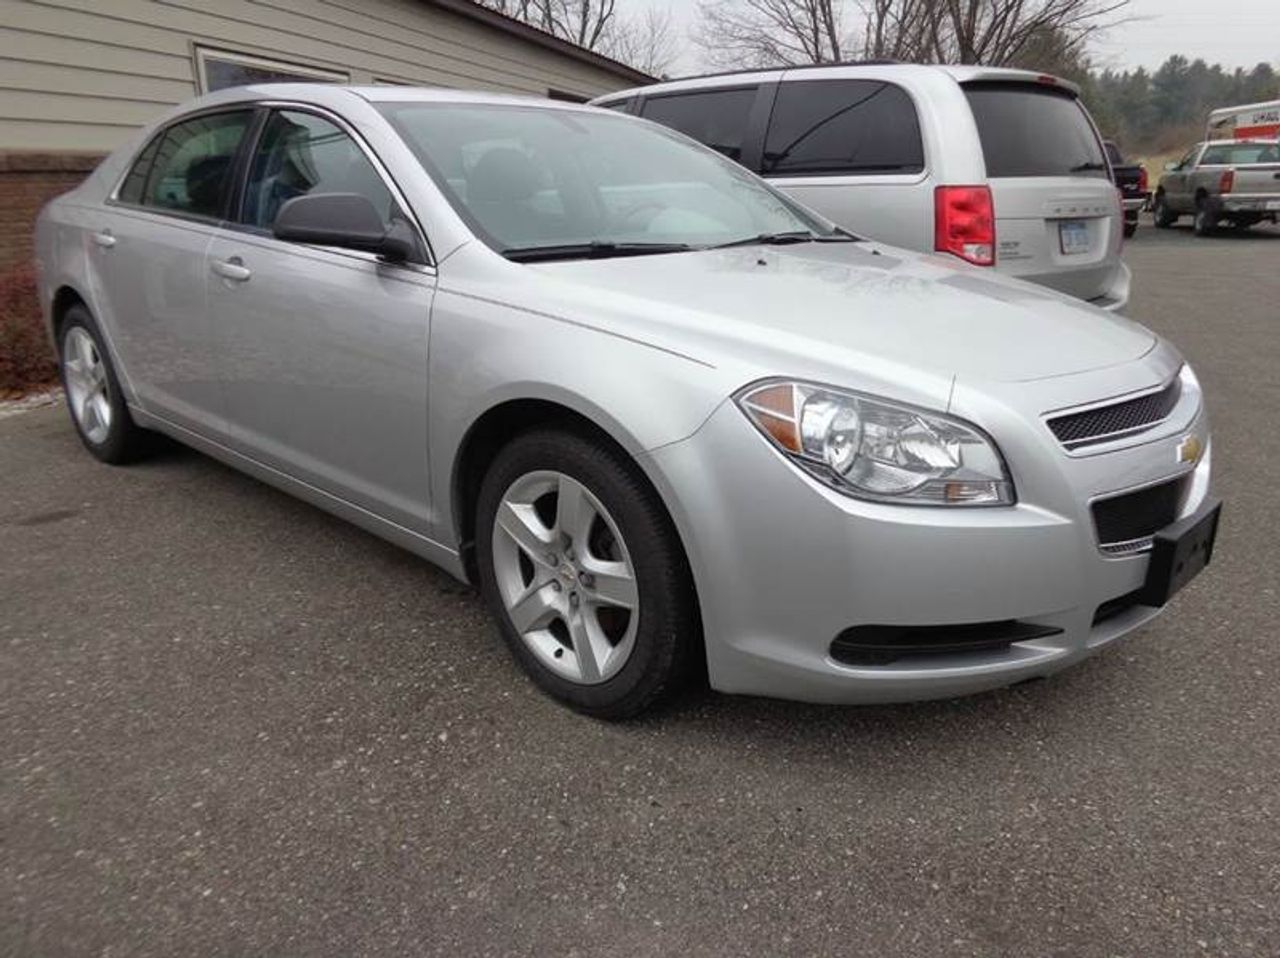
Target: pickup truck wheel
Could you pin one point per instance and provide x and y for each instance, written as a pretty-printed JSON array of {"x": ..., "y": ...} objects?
[
  {"x": 1130, "y": 229},
  {"x": 1165, "y": 217},
  {"x": 1206, "y": 222}
]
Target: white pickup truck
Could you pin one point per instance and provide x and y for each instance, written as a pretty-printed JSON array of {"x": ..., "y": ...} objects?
[{"x": 1233, "y": 180}]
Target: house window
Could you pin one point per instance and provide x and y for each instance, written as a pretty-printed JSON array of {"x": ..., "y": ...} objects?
[
  {"x": 566, "y": 96},
  {"x": 219, "y": 69}
]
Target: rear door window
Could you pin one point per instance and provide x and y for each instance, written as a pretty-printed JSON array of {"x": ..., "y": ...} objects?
[
  {"x": 1034, "y": 131},
  {"x": 717, "y": 118},
  {"x": 842, "y": 127},
  {"x": 192, "y": 169}
]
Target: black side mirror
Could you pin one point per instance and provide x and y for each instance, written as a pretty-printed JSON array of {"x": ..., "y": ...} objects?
[{"x": 345, "y": 220}]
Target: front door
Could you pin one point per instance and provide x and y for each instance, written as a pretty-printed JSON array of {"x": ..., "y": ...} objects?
[{"x": 323, "y": 351}]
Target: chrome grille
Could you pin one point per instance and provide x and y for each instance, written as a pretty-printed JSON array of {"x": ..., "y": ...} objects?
[{"x": 1105, "y": 423}]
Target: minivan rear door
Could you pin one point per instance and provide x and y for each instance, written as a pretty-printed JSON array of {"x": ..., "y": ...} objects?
[{"x": 1058, "y": 217}]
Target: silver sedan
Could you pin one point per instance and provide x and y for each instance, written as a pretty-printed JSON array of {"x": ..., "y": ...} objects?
[{"x": 658, "y": 412}]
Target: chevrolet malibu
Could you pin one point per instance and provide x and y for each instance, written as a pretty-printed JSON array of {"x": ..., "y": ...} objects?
[{"x": 661, "y": 414}]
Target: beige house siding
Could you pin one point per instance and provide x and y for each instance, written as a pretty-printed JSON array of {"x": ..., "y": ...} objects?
[{"x": 81, "y": 74}]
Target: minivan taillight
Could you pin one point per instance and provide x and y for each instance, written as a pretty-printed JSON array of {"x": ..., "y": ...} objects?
[
  {"x": 1226, "y": 181},
  {"x": 964, "y": 223},
  {"x": 1142, "y": 178}
]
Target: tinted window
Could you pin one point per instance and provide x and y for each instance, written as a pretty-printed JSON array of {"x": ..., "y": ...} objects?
[
  {"x": 192, "y": 169},
  {"x": 301, "y": 153},
  {"x": 135, "y": 183},
  {"x": 717, "y": 118},
  {"x": 842, "y": 126},
  {"x": 1033, "y": 131}
]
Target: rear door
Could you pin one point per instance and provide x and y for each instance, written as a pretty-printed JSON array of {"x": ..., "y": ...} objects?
[
  {"x": 852, "y": 150},
  {"x": 149, "y": 259},
  {"x": 1058, "y": 217}
]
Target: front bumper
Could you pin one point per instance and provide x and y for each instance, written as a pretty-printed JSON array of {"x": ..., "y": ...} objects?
[{"x": 783, "y": 565}]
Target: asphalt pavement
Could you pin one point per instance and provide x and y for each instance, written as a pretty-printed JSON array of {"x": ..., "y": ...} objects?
[{"x": 233, "y": 725}]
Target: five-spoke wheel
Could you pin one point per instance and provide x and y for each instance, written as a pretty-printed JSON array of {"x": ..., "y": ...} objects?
[{"x": 581, "y": 566}]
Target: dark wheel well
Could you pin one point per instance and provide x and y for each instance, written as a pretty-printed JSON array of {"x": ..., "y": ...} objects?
[
  {"x": 63, "y": 300},
  {"x": 487, "y": 436}
]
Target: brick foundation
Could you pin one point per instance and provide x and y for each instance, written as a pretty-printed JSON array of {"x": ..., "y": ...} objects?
[{"x": 27, "y": 182}]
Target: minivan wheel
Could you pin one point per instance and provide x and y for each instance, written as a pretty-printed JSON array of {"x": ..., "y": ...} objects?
[
  {"x": 1164, "y": 216},
  {"x": 97, "y": 405},
  {"x": 1205, "y": 221},
  {"x": 581, "y": 567}
]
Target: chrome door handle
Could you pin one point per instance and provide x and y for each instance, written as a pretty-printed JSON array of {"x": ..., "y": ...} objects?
[
  {"x": 104, "y": 239},
  {"x": 232, "y": 269}
]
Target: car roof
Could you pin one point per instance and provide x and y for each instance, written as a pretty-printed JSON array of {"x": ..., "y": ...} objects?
[{"x": 886, "y": 69}]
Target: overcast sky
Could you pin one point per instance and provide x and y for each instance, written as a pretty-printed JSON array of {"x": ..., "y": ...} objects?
[{"x": 1231, "y": 32}]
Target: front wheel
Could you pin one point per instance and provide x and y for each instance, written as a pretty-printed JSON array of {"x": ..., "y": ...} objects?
[
  {"x": 1164, "y": 216},
  {"x": 583, "y": 570},
  {"x": 93, "y": 393}
]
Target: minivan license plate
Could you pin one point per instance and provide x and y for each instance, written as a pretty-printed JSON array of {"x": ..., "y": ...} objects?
[{"x": 1073, "y": 236}]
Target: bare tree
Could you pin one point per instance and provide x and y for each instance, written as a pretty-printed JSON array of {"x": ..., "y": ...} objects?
[
  {"x": 994, "y": 32},
  {"x": 770, "y": 32},
  {"x": 646, "y": 42}
]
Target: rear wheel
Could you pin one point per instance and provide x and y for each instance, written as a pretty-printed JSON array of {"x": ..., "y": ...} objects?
[
  {"x": 1165, "y": 217},
  {"x": 1130, "y": 229},
  {"x": 580, "y": 565},
  {"x": 97, "y": 405},
  {"x": 1206, "y": 220}
]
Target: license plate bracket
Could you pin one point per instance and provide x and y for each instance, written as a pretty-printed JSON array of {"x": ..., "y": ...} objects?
[
  {"x": 1073, "y": 237},
  {"x": 1179, "y": 553}
]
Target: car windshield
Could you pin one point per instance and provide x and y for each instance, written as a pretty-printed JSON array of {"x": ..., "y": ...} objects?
[{"x": 567, "y": 183}]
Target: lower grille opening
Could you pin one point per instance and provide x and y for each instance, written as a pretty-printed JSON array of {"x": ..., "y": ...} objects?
[
  {"x": 883, "y": 644},
  {"x": 1116, "y": 607},
  {"x": 1134, "y": 517}
]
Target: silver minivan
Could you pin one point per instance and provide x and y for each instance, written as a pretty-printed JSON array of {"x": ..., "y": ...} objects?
[{"x": 999, "y": 167}]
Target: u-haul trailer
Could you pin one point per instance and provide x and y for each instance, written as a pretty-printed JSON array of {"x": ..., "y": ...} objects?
[{"x": 1250, "y": 121}]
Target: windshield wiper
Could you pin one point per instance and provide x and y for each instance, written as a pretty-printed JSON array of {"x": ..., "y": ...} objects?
[
  {"x": 1088, "y": 168},
  {"x": 596, "y": 249},
  {"x": 784, "y": 239}
]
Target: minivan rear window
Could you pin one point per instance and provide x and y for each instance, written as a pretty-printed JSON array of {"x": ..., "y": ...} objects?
[
  {"x": 1034, "y": 131},
  {"x": 842, "y": 127}
]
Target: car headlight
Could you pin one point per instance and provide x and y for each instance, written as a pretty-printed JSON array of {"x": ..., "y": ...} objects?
[{"x": 877, "y": 449}]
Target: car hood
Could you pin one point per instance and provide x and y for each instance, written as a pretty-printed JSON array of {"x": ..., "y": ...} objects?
[{"x": 847, "y": 302}]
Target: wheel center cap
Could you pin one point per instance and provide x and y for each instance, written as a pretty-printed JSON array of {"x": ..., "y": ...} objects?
[{"x": 566, "y": 572}]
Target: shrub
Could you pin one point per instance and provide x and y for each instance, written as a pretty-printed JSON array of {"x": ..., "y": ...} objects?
[{"x": 25, "y": 358}]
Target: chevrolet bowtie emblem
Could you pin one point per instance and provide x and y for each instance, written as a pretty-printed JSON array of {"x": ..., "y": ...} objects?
[{"x": 1189, "y": 449}]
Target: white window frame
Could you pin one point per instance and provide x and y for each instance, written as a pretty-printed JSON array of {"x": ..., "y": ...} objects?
[{"x": 203, "y": 54}]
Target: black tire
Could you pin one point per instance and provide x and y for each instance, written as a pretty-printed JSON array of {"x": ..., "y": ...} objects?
[
  {"x": 124, "y": 441},
  {"x": 668, "y": 632},
  {"x": 1205, "y": 222},
  {"x": 1164, "y": 216},
  {"x": 1130, "y": 229}
]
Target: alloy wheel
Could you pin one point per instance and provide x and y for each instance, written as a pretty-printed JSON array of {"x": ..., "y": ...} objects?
[
  {"x": 85, "y": 375},
  {"x": 565, "y": 577}
]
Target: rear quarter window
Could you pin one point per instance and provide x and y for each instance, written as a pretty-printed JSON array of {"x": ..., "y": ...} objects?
[
  {"x": 1034, "y": 131},
  {"x": 717, "y": 118},
  {"x": 842, "y": 127}
]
